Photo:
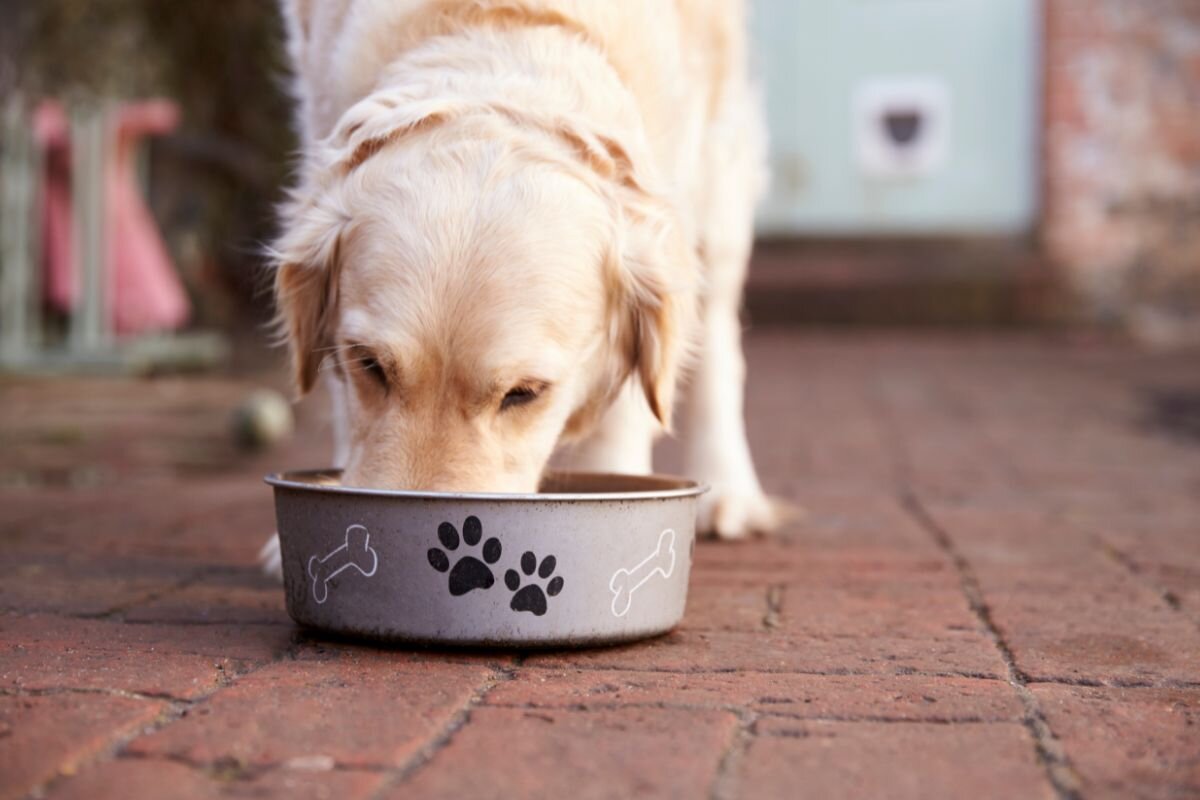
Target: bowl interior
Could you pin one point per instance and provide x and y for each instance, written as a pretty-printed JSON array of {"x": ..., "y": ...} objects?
[{"x": 557, "y": 485}]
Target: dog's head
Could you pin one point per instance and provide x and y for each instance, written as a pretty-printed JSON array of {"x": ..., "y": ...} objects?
[{"x": 484, "y": 284}]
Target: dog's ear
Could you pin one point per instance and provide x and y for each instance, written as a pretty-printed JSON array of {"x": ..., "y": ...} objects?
[
  {"x": 305, "y": 296},
  {"x": 380, "y": 119},
  {"x": 306, "y": 288},
  {"x": 656, "y": 280},
  {"x": 654, "y": 271},
  {"x": 307, "y": 254}
]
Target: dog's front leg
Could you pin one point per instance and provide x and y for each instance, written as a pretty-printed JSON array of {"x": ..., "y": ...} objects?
[
  {"x": 622, "y": 442},
  {"x": 269, "y": 556},
  {"x": 715, "y": 445}
]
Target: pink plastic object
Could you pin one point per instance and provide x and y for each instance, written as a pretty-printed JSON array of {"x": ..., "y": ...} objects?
[{"x": 145, "y": 293}]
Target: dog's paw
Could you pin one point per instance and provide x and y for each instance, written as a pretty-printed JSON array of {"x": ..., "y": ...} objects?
[
  {"x": 734, "y": 514},
  {"x": 270, "y": 559}
]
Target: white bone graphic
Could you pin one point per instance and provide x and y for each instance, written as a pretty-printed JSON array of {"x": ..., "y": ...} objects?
[
  {"x": 627, "y": 581},
  {"x": 356, "y": 552}
]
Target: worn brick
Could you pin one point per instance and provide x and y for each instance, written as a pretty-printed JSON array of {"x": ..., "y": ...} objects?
[
  {"x": 127, "y": 778},
  {"x": 1065, "y": 608},
  {"x": 1101, "y": 627},
  {"x": 617, "y": 753},
  {"x": 945, "y": 454},
  {"x": 715, "y": 603},
  {"x": 115, "y": 520},
  {"x": 1157, "y": 546},
  {"x": 747, "y": 559},
  {"x": 84, "y": 584},
  {"x": 957, "y": 652},
  {"x": 314, "y": 646},
  {"x": 838, "y": 526},
  {"x": 42, "y": 736},
  {"x": 868, "y": 607},
  {"x": 229, "y": 596},
  {"x": 800, "y": 758},
  {"x": 48, "y": 652},
  {"x": 1127, "y": 742},
  {"x": 1101, "y": 643},
  {"x": 228, "y": 526},
  {"x": 907, "y": 697},
  {"x": 226, "y": 517},
  {"x": 838, "y": 521},
  {"x": 836, "y": 560},
  {"x": 369, "y": 710}
]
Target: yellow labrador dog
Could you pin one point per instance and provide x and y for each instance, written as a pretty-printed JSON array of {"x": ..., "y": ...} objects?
[{"x": 516, "y": 223}]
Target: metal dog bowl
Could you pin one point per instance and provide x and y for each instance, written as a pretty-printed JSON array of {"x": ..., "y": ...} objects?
[{"x": 592, "y": 559}]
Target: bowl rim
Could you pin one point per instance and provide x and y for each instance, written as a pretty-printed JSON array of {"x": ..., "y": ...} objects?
[{"x": 683, "y": 487}]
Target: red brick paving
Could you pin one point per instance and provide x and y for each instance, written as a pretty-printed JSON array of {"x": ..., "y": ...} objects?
[
  {"x": 817, "y": 696},
  {"x": 1128, "y": 742},
  {"x": 995, "y": 592},
  {"x": 51, "y": 653},
  {"x": 136, "y": 777},
  {"x": 33, "y": 747},
  {"x": 609, "y": 753},
  {"x": 789, "y": 758},
  {"x": 363, "y": 712}
]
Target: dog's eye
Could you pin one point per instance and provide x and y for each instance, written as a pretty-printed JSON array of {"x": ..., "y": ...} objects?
[
  {"x": 518, "y": 396},
  {"x": 372, "y": 367},
  {"x": 364, "y": 361}
]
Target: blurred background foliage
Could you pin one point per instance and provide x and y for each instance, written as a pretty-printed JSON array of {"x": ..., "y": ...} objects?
[
  {"x": 214, "y": 182},
  {"x": 1113, "y": 156}
]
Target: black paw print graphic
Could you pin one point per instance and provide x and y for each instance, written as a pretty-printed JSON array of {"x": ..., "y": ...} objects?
[
  {"x": 468, "y": 572},
  {"x": 530, "y": 597}
]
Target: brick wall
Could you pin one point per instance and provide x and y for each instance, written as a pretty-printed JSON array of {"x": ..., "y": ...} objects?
[{"x": 1122, "y": 161}]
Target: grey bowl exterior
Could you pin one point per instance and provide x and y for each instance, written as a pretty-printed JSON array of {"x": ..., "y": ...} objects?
[{"x": 607, "y": 566}]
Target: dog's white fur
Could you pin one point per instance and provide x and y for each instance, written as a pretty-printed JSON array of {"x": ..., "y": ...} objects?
[{"x": 548, "y": 201}]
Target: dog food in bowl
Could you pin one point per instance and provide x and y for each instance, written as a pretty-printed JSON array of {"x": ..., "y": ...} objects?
[{"x": 592, "y": 559}]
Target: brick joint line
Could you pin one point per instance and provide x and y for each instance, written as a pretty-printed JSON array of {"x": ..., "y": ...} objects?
[
  {"x": 148, "y": 597},
  {"x": 774, "y": 614},
  {"x": 176, "y": 709},
  {"x": 233, "y": 767},
  {"x": 1126, "y": 562},
  {"x": 1113, "y": 683},
  {"x": 724, "y": 782},
  {"x": 1049, "y": 750},
  {"x": 440, "y": 740},
  {"x": 52, "y": 691},
  {"x": 836, "y": 672},
  {"x": 171, "y": 713},
  {"x": 666, "y": 705}
]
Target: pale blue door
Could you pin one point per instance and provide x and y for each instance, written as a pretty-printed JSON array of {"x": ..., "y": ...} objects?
[{"x": 900, "y": 116}]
